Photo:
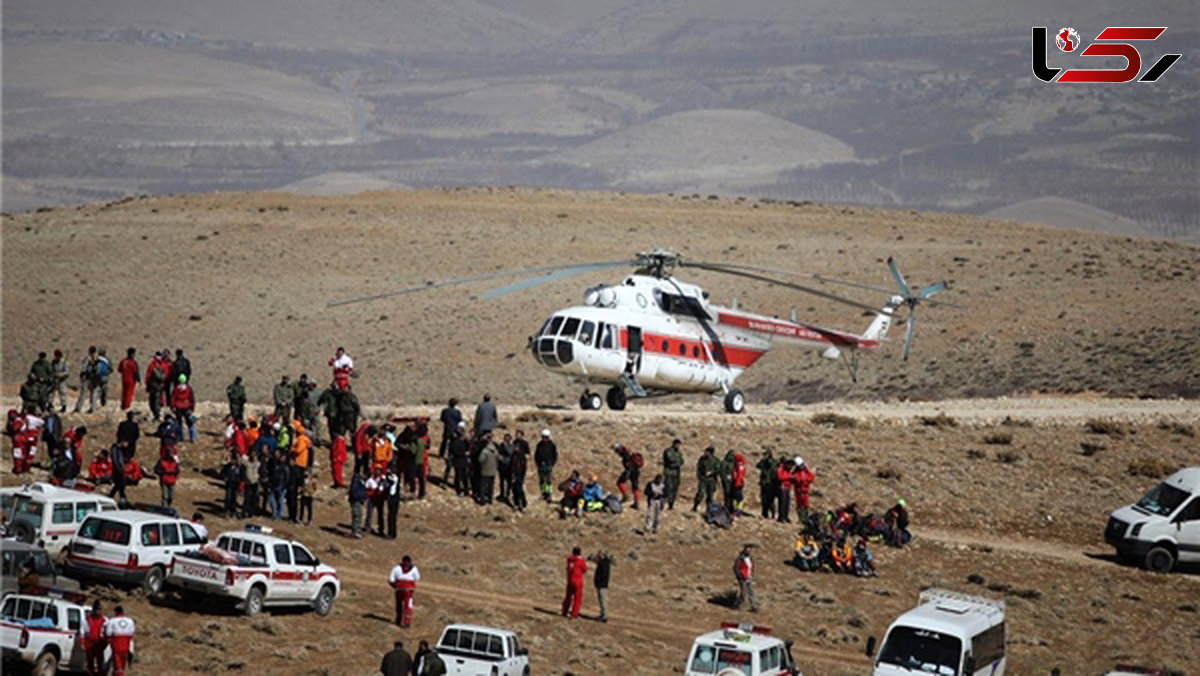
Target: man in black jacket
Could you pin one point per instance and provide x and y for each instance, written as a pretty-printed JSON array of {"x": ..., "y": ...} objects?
[
  {"x": 358, "y": 498},
  {"x": 450, "y": 418},
  {"x": 545, "y": 456},
  {"x": 397, "y": 662},
  {"x": 129, "y": 432},
  {"x": 604, "y": 564}
]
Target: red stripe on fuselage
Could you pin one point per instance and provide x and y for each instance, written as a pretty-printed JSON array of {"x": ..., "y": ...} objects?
[
  {"x": 795, "y": 331},
  {"x": 664, "y": 345}
]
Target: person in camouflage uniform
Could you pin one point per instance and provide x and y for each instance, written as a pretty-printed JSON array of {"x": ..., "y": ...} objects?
[
  {"x": 672, "y": 463},
  {"x": 708, "y": 469},
  {"x": 236, "y": 392}
]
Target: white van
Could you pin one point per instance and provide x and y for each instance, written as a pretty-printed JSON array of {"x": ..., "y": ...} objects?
[
  {"x": 1162, "y": 528},
  {"x": 127, "y": 547},
  {"x": 947, "y": 633},
  {"x": 47, "y": 516}
]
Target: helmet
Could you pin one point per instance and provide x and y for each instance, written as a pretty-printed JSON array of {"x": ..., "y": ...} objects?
[
  {"x": 183, "y": 377},
  {"x": 617, "y": 446},
  {"x": 799, "y": 460},
  {"x": 546, "y": 432},
  {"x": 901, "y": 502}
]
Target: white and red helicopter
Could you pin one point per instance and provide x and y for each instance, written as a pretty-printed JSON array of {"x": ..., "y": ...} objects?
[{"x": 653, "y": 334}]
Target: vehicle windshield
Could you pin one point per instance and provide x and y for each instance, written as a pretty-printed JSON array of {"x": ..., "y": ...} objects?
[
  {"x": 922, "y": 650},
  {"x": 27, "y": 510},
  {"x": 709, "y": 659},
  {"x": 1163, "y": 499}
]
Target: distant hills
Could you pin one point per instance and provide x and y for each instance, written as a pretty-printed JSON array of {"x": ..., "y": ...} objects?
[{"x": 1066, "y": 213}]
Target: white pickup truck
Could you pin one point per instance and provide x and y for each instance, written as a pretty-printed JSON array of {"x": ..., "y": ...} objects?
[
  {"x": 46, "y": 632},
  {"x": 471, "y": 650},
  {"x": 257, "y": 570}
]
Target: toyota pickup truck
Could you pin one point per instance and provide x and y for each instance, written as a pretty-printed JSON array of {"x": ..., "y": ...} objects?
[
  {"x": 256, "y": 570},
  {"x": 45, "y": 632},
  {"x": 472, "y": 650}
]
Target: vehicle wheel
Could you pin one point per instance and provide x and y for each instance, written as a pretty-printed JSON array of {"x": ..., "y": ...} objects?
[
  {"x": 735, "y": 401},
  {"x": 23, "y": 532},
  {"x": 46, "y": 664},
  {"x": 616, "y": 398},
  {"x": 153, "y": 583},
  {"x": 324, "y": 603},
  {"x": 591, "y": 401},
  {"x": 1160, "y": 560},
  {"x": 254, "y": 602}
]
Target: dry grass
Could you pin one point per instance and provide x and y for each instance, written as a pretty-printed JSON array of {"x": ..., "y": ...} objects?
[
  {"x": 1089, "y": 449},
  {"x": 834, "y": 420},
  {"x": 1106, "y": 427},
  {"x": 1182, "y": 429},
  {"x": 1151, "y": 468},
  {"x": 998, "y": 439},
  {"x": 939, "y": 420}
]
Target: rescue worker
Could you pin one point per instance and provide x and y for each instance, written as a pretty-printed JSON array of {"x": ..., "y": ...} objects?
[
  {"x": 743, "y": 571},
  {"x": 397, "y": 662},
  {"x": 766, "y": 484},
  {"x": 337, "y": 459},
  {"x": 158, "y": 374},
  {"x": 488, "y": 465},
  {"x": 576, "y": 569},
  {"x": 737, "y": 482},
  {"x": 450, "y": 417},
  {"x": 381, "y": 451},
  {"x": 572, "y": 499},
  {"x": 364, "y": 441},
  {"x": 303, "y": 408},
  {"x": 60, "y": 373},
  {"x": 100, "y": 469},
  {"x": 486, "y": 418},
  {"x": 131, "y": 375},
  {"x": 672, "y": 463},
  {"x": 707, "y": 470},
  {"x": 802, "y": 479},
  {"x": 656, "y": 495},
  {"x": 183, "y": 401},
  {"x": 593, "y": 495},
  {"x": 119, "y": 630},
  {"x": 631, "y": 467},
  {"x": 167, "y": 470},
  {"x": 94, "y": 642},
  {"x": 87, "y": 381},
  {"x": 403, "y": 580},
  {"x": 545, "y": 456},
  {"x": 377, "y": 489},
  {"x": 897, "y": 522},
  {"x": 783, "y": 487},
  {"x": 805, "y": 553},
  {"x": 604, "y": 563},
  {"x": 343, "y": 369},
  {"x": 236, "y": 393},
  {"x": 283, "y": 396},
  {"x": 864, "y": 560}
]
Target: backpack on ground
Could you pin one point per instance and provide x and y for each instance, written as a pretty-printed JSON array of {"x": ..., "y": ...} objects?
[
  {"x": 613, "y": 504},
  {"x": 717, "y": 515}
]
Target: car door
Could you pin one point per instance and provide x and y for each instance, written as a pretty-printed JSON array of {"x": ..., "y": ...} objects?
[
  {"x": 171, "y": 542},
  {"x": 1187, "y": 532},
  {"x": 106, "y": 542},
  {"x": 78, "y": 658},
  {"x": 285, "y": 580},
  {"x": 305, "y": 565},
  {"x": 62, "y": 525}
]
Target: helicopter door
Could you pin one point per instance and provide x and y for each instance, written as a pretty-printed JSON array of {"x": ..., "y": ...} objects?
[{"x": 633, "y": 357}]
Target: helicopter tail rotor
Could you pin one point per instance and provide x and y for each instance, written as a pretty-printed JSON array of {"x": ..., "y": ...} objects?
[{"x": 912, "y": 300}]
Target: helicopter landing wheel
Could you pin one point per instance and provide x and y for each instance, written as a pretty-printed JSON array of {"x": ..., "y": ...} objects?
[
  {"x": 616, "y": 398},
  {"x": 590, "y": 401},
  {"x": 735, "y": 401}
]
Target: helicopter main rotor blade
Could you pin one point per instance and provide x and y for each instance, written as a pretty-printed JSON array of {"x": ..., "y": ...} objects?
[
  {"x": 526, "y": 284},
  {"x": 904, "y": 290},
  {"x": 499, "y": 274},
  {"x": 908, "y": 333},
  {"x": 714, "y": 267},
  {"x": 808, "y": 275}
]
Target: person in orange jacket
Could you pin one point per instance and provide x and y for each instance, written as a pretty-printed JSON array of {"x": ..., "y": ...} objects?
[
  {"x": 843, "y": 557},
  {"x": 183, "y": 401},
  {"x": 337, "y": 458},
  {"x": 130, "y": 376},
  {"x": 381, "y": 452},
  {"x": 94, "y": 642},
  {"x": 576, "y": 569}
]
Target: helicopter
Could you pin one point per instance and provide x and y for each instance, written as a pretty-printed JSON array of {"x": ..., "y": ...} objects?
[{"x": 653, "y": 334}]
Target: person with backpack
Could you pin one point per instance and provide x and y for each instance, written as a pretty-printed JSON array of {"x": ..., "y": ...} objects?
[
  {"x": 167, "y": 470},
  {"x": 236, "y": 394},
  {"x": 545, "y": 456},
  {"x": 631, "y": 467},
  {"x": 103, "y": 371},
  {"x": 87, "y": 381},
  {"x": 131, "y": 375},
  {"x": 604, "y": 563},
  {"x": 183, "y": 401},
  {"x": 766, "y": 484},
  {"x": 157, "y": 374}
]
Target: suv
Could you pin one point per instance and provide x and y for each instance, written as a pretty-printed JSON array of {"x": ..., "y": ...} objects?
[
  {"x": 129, "y": 548},
  {"x": 742, "y": 649},
  {"x": 14, "y": 556},
  {"x": 470, "y": 650},
  {"x": 46, "y": 632},
  {"x": 1163, "y": 527},
  {"x": 47, "y": 515}
]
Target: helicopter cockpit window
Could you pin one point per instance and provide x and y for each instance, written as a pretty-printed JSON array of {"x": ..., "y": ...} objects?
[
  {"x": 586, "y": 333},
  {"x": 555, "y": 323},
  {"x": 570, "y": 327}
]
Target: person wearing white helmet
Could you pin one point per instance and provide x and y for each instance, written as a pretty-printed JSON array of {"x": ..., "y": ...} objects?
[
  {"x": 545, "y": 456},
  {"x": 802, "y": 478}
]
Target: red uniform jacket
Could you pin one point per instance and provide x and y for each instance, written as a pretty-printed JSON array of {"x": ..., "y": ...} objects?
[
  {"x": 803, "y": 479},
  {"x": 167, "y": 470},
  {"x": 743, "y": 567},
  {"x": 739, "y": 471},
  {"x": 360, "y": 439},
  {"x": 99, "y": 469},
  {"x": 93, "y": 638},
  {"x": 576, "y": 567},
  {"x": 784, "y": 476},
  {"x": 133, "y": 472},
  {"x": 182, "y": 397},
  {"x": 128, "y": 369}
]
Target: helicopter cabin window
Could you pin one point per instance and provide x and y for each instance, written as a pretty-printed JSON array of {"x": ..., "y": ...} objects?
[
  {"x": 555, "y": 324},
  {"x": 696, "y": 351},
  {"x": 586, "y": 333},
  {"x": 606, "y": 336},
  {"x": 674, "y": 303},
  {"x": 667, "y": 346},
  {"x": 682, "y": 350},
  {"x": 570, "y": 327}
]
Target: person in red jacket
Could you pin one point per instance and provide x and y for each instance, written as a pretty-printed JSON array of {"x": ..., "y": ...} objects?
[
  {"x": 738, "y": 481},
  {"x": 158, "y": 373},
  {"x": 403, "y": 580},
  {"x": 337, "y": 458},
  {"x": 73, "y": 439},
  {"x": 363, "y": 443},
  {"x": 167, "y": 470},
  {"x": 93, "y": 640},
  {"x": 100, "y": 470},
  {"x": 631, "y": 467},
  {"x": 183, "y": 401},
  {"x": 783, "y": 476},
  {"x": 130, "y": 376},
  {"x": 119, "y": 632},
  {"x": 133, "y": 472},
  {"x": 802, "y": 479},
  {"x": 576, "y": 569}
]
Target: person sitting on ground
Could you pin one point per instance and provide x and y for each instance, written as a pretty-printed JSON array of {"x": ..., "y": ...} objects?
[
  {"x": 843, "y": 558},
  {"x": 864, "y": 560},
  {"x": 825, "y": 553},
  {"x": 593, "y": 495},
  {"x": 806, "y": 550},
  {"x": 845, "y": 521},
  {"x": 572, "y": 500},
  {"x": 133, "y": 472},
  {"x": 897, "y": 522},
  {"x": 100, "y": 469}
]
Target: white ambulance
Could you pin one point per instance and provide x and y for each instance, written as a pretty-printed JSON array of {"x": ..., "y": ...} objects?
[
  {"x": 948, "y": 633},
  {"x": 742, "y": 650}
]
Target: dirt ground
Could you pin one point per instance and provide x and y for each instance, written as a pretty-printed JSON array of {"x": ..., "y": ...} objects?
[
  {"x": 1009, "y": 494},
  {"x": 1013, "y": 510}
]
